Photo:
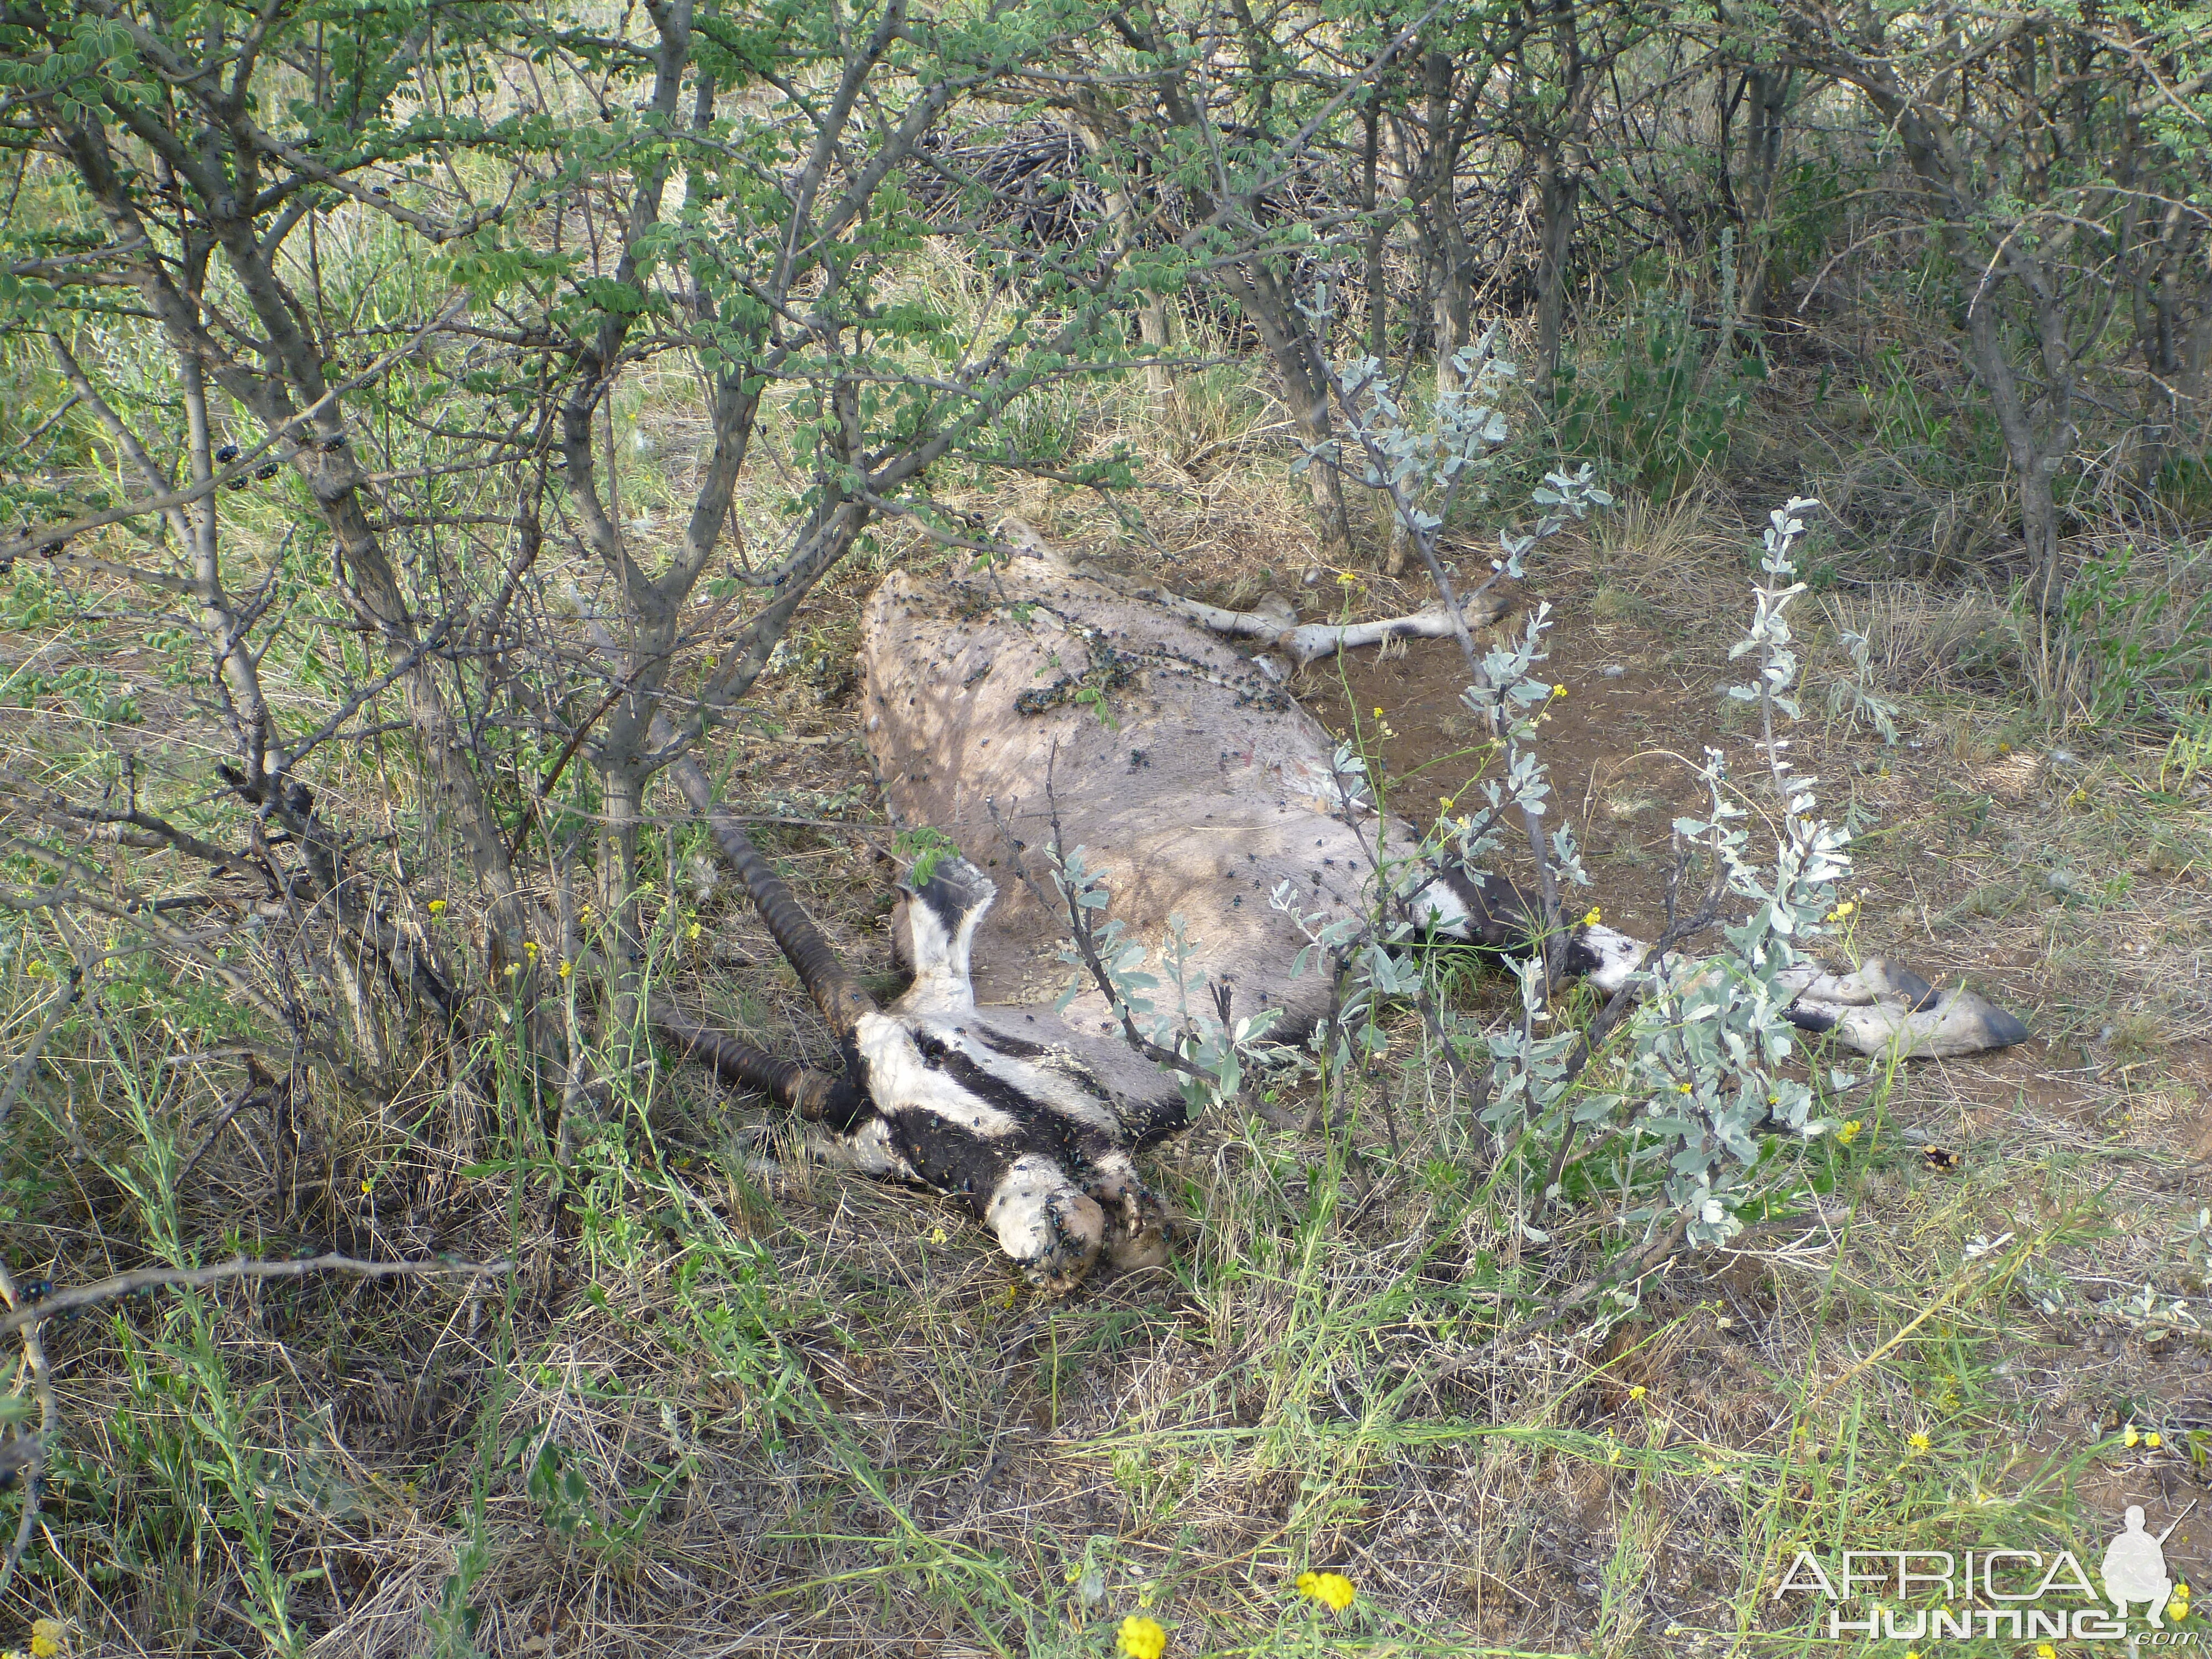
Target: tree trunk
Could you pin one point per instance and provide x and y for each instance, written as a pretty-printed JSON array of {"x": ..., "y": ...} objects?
[
  {"x": 1155, "y": 327},
  {"x": 1559, "y": 193},
  {"x": 2039, "y": 526},
  {"x": 1378, "y": 298},
  {"x": 1298, "y": 359},
  {"x": 1455, "y": 262},
  {"x": 2036, "y": 449},
  {"x": 625, "y": 808},
  {"x": 1769, "y": 98}
]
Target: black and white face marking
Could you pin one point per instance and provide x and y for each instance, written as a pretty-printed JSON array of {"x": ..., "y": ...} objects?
[
  {"x": 1488, "y": 912},
  {"x": 1027, "y": 1136}
]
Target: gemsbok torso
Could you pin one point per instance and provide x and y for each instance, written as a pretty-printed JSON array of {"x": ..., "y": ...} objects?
[
  {"x": 1001, "y": 699},
  {"x": 997, "y": 701}
]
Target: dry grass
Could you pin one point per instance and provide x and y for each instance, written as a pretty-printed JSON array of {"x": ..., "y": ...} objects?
[{"x": 733, "y": 1403}]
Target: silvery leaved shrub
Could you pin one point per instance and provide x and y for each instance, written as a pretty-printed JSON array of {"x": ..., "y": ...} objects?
[{"x": 1672, "y": 1116}]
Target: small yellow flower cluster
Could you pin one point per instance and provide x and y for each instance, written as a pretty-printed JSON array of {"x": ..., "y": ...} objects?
[
  {"x": 1332, "y": 1589},
  {"x": 1592, "y": 918},
  {"x": 436, "y": 907},
  {"x": 2044, "y": 1650},
  {"x": 1918, "y": 1441},
  {"x": 2178, "y": 1608},
  {"x": 1842, "y": 910},
  {"x": 2129, "y": 1436},
  {"x": 1637, "y": 1392},
  {"x": 1559, "y": 690},
  {"x": 48, "y": 1638},
  {"x": 1849, "y": 1132},
  {"x": 1141, "y": 1638}
]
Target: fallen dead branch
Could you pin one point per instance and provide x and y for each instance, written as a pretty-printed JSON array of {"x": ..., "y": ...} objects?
[{"x": 144, "y": 1279}]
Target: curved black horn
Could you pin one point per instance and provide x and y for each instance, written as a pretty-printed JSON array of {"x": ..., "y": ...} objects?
[
  {"x": 835, "y": 993},
  {"x": 818, "y": 1096}
]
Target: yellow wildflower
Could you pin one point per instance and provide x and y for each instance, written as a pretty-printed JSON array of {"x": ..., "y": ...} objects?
[
  {"x": 1379, "y": 713},
  {"x": 437, "y": 907},
  {"x": 1637, "y": 1392},
  {"x": 567, "y": 968},
  {"x": 1333, "y": 1588},
  {"x": 2044, "y": 1650},
  {"x": 937, "y": 1236},
  {"x": 1591, "y": 919},
  {"x": 1140, "y": 1638},
  {"x": 1559, "y": 690},
  {"x": 366, "y": 1187},
  {"x": 1918, "y": 1442},
  {"x": 46, "y": 1636},
  {"x": 1345, "y": 579},
  {"x": 2129, "y": 1436},
  {"x": 1849, "y": 1132},
  {"x": 1683, "y": 1088},
  {"x": 692, "y": 932},
  {"x": 530, "y": 949},
  {"x": 2154, "y": 1440}
]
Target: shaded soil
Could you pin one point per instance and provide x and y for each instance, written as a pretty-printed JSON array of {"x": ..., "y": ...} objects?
[{"x": 1622, "y": 744}]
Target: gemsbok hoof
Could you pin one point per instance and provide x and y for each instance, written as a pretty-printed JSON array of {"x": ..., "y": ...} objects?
[{"x": 1885, "y": 1008}]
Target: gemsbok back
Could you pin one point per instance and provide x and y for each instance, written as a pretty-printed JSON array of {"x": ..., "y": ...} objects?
[{"x": 1036, "y": 706}]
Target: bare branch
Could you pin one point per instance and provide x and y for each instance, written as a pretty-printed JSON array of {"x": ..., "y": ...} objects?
[{"x": 147, "y": 1279}]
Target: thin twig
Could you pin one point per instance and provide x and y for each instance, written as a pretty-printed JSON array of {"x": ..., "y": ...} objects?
[
  {"x": 250, "y": 1095},
  {"x": 106, "y": 1289},
  {"x": 1079, "y": 929},
  {"x": 57, "y": 1011},
  {"x": 32, "y": 1465},
  {"x": 1678, "y": 931}
]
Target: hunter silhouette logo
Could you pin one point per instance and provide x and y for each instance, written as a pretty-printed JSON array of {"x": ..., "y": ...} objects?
[
  {"x": 1996, "y": 1593},
  {"x": 2135, "y": 1569}
]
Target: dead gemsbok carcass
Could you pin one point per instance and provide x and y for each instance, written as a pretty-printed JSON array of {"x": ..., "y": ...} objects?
[{"x": 1036, "y": 701}]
